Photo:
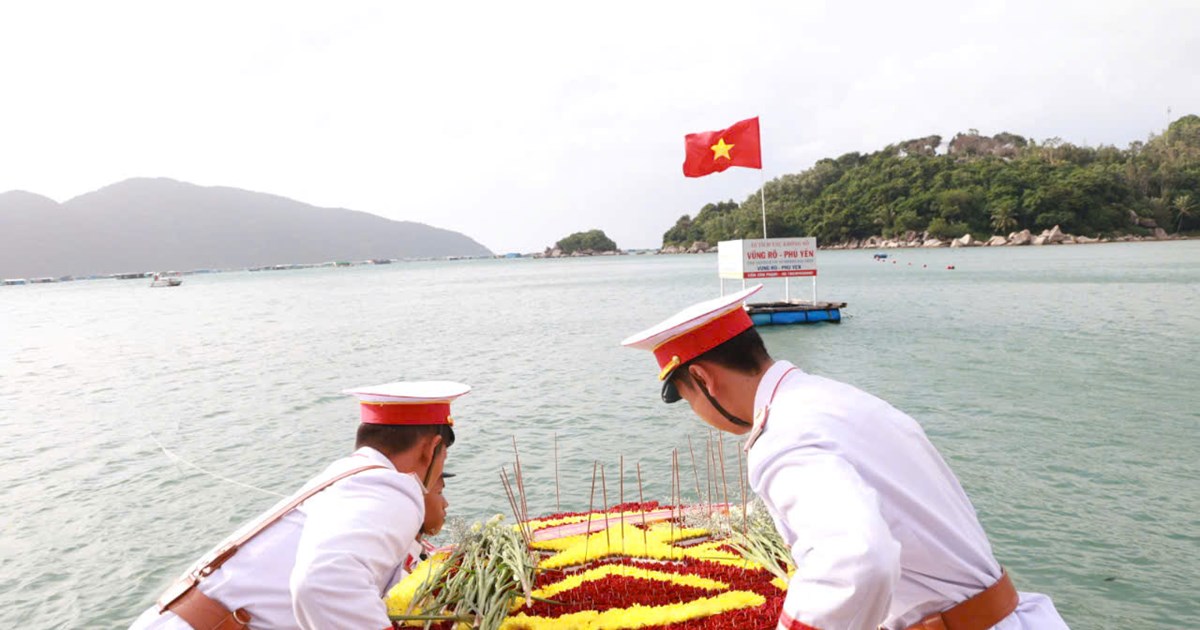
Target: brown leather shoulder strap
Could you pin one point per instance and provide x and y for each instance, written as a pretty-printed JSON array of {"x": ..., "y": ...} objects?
[
  {"x": 188, "y": 582},
  {"x": 229, "y": 550}
]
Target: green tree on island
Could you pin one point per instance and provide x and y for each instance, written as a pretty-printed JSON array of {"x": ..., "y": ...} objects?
[
  {"x": 594, "y": 240},
  {"x": 980, "y": 185}
]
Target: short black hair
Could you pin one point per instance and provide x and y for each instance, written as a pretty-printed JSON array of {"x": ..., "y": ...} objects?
[
  {"x": 745, "y": 353},
  {"x": 393, "y": 439}
]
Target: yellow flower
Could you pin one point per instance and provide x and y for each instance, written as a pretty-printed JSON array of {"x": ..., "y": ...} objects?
[
  {"x": 631, "y": 541},
  {"x": 401, "y": 596}
]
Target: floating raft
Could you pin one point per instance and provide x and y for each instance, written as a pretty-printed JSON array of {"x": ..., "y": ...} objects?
[{"x": 795, "y": 312}]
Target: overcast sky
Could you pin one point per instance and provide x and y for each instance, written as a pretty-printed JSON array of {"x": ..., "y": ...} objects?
[{"x": 518, "y": 123}]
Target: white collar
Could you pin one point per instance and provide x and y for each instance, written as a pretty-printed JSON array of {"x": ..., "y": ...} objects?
[
  {"x": 767, "y": 386},
  {"x": 768, "y": 383},
  {"x": 374, "y": 456}
]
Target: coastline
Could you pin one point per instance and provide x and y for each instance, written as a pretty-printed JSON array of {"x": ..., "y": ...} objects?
[{"x": 918, "y": 240}]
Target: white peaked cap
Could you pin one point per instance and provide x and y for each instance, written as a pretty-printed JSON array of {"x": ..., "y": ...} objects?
[
  {"x": 408, "y": 403},
  {"x": 688, "y": 319},
  {"x": 410, "y": 391}
]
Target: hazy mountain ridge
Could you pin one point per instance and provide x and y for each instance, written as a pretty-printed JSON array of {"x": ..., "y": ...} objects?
[{"x": 156, "y": 224}]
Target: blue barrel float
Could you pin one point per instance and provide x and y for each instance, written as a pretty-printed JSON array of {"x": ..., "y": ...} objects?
[{"x": 781, "y": 313}]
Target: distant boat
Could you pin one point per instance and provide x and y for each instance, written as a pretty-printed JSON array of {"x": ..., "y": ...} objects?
[
  {"x": 166, "y": 279},
  {"x": 880, "y": 256}
]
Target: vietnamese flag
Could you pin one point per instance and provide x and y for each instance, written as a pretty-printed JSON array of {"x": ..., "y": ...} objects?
[{"x": 714, "y": 151}]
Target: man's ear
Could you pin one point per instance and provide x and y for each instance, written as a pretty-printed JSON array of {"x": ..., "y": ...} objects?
[
  {"x": 429, "y": 449},
  {"x": 704, "y": 377}
]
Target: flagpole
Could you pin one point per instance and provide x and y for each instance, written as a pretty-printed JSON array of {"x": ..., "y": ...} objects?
[{"x": 762, "y": 194}]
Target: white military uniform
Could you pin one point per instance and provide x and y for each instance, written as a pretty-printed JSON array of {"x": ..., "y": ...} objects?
[
  {"x": 329, "y": 562},
  {"x": 880, "y": 529}
]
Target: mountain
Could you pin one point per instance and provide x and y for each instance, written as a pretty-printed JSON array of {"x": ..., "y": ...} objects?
[{"x": 157, "y": 224}]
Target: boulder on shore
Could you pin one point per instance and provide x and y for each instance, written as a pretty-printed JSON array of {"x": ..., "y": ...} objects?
[
  {"x": 966, "y": 240},
  {"x": 698, "y": 247},
  {"x": 933, "y": 242},
  {"x": 1053, "y": 235},
  {"x": 1020, "y": 238},
  {"x": 996, "y": 241},
  {"x": 1140, "y": 221}
]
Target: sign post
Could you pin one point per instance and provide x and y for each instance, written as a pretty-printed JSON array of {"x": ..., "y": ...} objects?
[{"x": 768, "y": 258}]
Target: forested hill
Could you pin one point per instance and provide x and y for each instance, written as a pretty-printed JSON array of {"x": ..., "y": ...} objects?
[{"x": 977, "y": 184}]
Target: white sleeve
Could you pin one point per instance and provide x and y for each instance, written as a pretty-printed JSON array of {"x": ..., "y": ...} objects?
[
  {"x": 352, "y": 542},
  {"x": 847, "y": 561}
]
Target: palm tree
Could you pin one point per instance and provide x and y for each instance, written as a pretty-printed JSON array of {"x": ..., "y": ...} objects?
[
  {"x": 1183, "y": 208},
  {"x": 1003, "y": 219}
]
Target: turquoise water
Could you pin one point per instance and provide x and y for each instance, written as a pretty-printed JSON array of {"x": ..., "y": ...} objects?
[{"x": 1059, "y": 383}]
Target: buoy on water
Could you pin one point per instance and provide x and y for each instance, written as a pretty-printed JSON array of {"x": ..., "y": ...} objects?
[{"x": 950, "y": 267}]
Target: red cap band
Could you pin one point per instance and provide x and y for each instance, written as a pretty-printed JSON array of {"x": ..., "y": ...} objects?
[
  {"x": 703, "y": 338},
  {"x": 406, "y": 413}
]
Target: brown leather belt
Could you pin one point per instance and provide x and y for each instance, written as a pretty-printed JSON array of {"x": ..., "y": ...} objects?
[
  {"x": 202, "y": 612},
  {"x": 980, "y": 612}
]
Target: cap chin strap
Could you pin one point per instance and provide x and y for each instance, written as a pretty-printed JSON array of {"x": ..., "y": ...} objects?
[
  {"x": 728, "y": 416},
  {"x": 428, "y": 481}
]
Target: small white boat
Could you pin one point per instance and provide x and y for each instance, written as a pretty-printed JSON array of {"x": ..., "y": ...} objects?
[{"x": 166, "y": 279}]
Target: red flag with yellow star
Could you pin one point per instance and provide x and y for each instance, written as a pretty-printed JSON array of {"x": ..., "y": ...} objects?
[{"x": 714, "y": 151}]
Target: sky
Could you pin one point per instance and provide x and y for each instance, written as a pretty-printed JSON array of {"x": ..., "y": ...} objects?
[{"x": 518, "y": 123}]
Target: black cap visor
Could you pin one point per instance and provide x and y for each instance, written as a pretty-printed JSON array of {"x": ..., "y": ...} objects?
[{"x": 670, "y": 393}]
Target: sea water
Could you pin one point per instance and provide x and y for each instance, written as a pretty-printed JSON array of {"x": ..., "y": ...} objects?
[{"x": 139, "y": 426}]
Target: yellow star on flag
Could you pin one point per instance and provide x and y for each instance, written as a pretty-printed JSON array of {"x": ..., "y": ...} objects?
[{"x": 721, "y": 150}]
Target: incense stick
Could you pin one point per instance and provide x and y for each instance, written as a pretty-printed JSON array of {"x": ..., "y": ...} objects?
[
  {"x": 512, "y": 502},
  {"x": 642, "y": 500},
  {"x": 742, "y": 483},
  {"x": 712, "y": 471},
  {"x": 671, "y": 540},
  {"x": 695, "y": 471},
  {"x": 557, "y": 500},
  {"x": 621, "y": 472},
  {"x": 678, "y": 481},
  {"x": 520, "y": 480},
  {"x": 587, "y": 537},
  {"x": 724, "y": 484},
  {"x": 607, "y": 531}
]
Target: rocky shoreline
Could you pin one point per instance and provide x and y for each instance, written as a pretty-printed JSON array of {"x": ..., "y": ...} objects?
[
  {"x": 913, "y": 239},
  {"x": 1052, "y": 236}
]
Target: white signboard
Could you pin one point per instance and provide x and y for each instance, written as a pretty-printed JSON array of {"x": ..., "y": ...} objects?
[{"x": 767, "y": 258}]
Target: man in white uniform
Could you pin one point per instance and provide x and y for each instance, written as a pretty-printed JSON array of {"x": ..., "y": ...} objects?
[
  {"x": 880, "y": 530},
  {"x": 327, "y": 562}
]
